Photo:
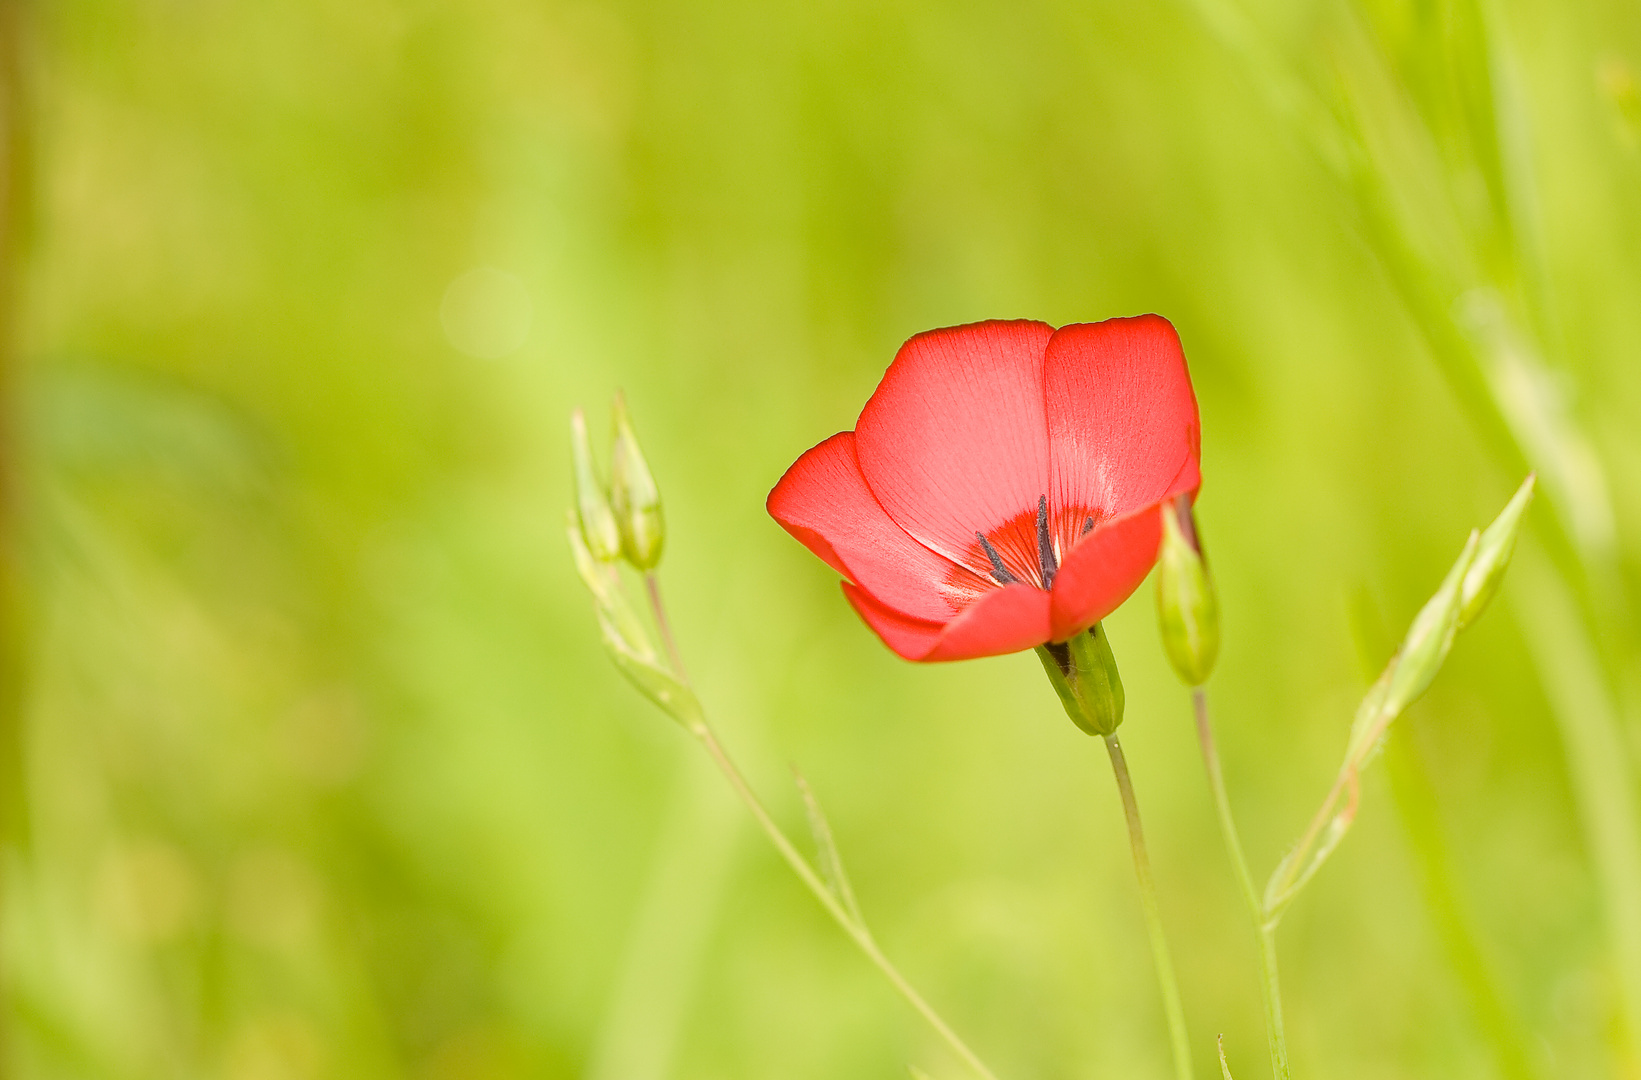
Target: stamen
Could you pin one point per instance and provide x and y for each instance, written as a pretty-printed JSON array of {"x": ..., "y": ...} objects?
[
  {"x": 999, "y": 572},
  {"x": 1088, "y": 526},
  {"x": 1045, "y": 545}
]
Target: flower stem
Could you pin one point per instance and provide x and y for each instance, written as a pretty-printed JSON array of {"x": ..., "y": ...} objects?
[
  {"x": 857, "y": 931},
  {"x": 1178, "y": 1035},
  {"x": 1264, "y": 929},
  {"x": 664, "y": 625},
  {"x": 834, "y": 905}
]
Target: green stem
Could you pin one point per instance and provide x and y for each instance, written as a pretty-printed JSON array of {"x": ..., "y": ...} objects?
[
  {"x": 653, "y": 586},
  {"x": 1177, "y": 1033},
  {"x": 1264, "y": 929},
  {"x": 855, "y": 928},
  {"x": 857, "y": 931}
]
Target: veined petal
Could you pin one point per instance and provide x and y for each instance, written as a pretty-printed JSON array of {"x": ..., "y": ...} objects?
[
  {"x": 1103, "y": 570},
  {"x": 1010, "y": 619},
  {"x": 823, "y": 501},
  {"x": 1002, "y": 621},
  {"x": 954, "y": 441},
  {"x": 910, "y": 638},
  {"x": 1122, "y": 419}
]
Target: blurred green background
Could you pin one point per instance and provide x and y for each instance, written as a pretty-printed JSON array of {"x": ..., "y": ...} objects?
[{"x": 315, "y": 767}]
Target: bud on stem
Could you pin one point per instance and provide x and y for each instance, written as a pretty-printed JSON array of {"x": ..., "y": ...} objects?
[
  {"x": 598, "y": 526},
  {"x": 1084, "y": 674},
  {"x": 1498, "y": 543},
  {"x": 1187, "y": 609},
  {"x": 633, "y": 495}
]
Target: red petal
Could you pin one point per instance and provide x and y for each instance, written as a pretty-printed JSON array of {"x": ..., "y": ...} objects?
[
  {"x": 1005, "y": 620},
  {"x": 1013, "y": 618},
  {"x": 1122, "y": 419},
  {"x": 823, "y": 501},
  {"x": 910, "y": 638},
  {"x": 1103, "y": 570},
  {"x": 954, "y": 440}
]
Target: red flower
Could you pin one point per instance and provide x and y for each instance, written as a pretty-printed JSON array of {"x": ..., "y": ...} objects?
[{"x": 1000, "y": 489}]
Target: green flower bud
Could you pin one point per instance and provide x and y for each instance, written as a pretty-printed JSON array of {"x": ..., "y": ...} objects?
[
  {"x": 633, "y": 495},
  {"x": 1187, "y": 609},
  {"x": 598, "y": 527},
  {"x": 1084, "y": 674},
  {"x": 1498, "y": 543},
  {"x": 1429, "y": 639}
]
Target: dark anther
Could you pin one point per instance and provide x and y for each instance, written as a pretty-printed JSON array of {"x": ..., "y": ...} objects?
[
  {"x": 1062, "y": 655},
  {"x": 1088, "y": 526},
  {"x": 999, "y": 572},
  {"x": 1045, "y": 546}
]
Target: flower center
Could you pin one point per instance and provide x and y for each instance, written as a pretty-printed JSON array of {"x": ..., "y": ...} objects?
[{"x": 1047, "y": 559}]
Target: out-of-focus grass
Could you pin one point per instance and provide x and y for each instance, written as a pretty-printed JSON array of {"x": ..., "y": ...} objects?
[{"x": 325, "y": 773}]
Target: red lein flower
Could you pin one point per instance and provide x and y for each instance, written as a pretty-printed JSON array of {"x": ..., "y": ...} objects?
[{"x": 1000, "y": 490}]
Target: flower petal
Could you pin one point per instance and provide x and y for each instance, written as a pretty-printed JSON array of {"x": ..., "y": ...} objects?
[
  {"x": 823, "y": 501},
  {"x": 954, "y": 440},
  {"x": 1103, "y": 570},
  {"x": 1013, "y": 618},
  {"x": 910, "y": 638},
  {"x": 1005, "y": 620},
  {"x": 1122, "y": 419}
]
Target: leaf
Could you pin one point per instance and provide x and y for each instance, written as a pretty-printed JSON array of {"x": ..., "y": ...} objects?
[
  {"x": 1224, "y": 1067},
  {"x": 654, "y": 682},
  {"x": 831, "y": 865}
]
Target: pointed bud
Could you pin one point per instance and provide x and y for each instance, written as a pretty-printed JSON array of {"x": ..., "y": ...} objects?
[
  {"x": 598, "y": 527},
  {"x": 1498, "y": 543},
  {"x": 1084, "y": 674},
  {"x": 633, "y": 495},
  {"x": 1187, "y": 609},
  {"x": 1429, "y": 639}
]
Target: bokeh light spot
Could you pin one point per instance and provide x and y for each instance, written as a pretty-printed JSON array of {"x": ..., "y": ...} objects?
[{"x": 486, "y": 313}]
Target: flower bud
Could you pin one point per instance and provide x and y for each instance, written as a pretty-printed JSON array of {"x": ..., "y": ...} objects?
[
  {"x": 633, "y": 495},
  {"x": 1084, "y": 674},
  {"x": 1187, "y": 609},
  {"x": 1498, "y": 543},
  {"x": 1429, "y": 638},
  {"x": 598, "y": 527}
]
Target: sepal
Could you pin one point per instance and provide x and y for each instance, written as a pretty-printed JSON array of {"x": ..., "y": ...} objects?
[
  {"x": 599, "y": 532},
  {"x": 1084, "y": 674},
  {"x": 634, "y": 496}
]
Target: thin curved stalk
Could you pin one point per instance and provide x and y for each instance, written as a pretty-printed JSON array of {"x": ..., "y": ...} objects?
[
  {"x": 857, "y": 931},
  {"x": 836, "y": 906},
  {"x": 664, "y": 625},
  {"x": 1264, "y": 929},
  {"x": 1179, "y": 1037}
]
